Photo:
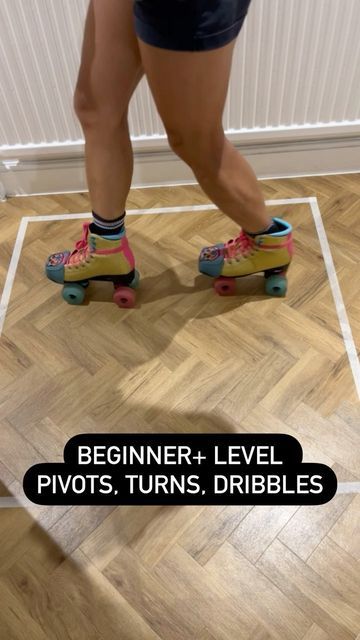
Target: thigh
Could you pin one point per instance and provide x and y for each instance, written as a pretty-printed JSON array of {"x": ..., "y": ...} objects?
[
  {"x": 189, "y": 88},
  {"x": 110, "y": 67}
]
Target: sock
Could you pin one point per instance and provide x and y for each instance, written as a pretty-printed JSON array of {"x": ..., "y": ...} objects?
[
  {"x": 272, "y": 228},
  {"x": 103, "y": 227}
]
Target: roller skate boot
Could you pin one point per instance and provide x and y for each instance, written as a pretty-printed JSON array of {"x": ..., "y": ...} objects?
[
  {"x": 95, "y": 257},
  {"x": 270, "y": 254}
]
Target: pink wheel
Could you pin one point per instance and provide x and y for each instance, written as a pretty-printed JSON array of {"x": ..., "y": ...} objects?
[
  {"x": 124, "y": 297},
  {"x": 225, "y": 286}
]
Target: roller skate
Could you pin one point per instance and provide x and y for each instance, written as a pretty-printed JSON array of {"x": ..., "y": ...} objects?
[
  {"x": 95, "y": 257},
  {"x": 270, "y": 254}
]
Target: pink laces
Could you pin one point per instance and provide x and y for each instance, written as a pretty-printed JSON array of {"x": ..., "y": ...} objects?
[
  {"x": 82, "y": 248},
  {"x": 242, "y": 245}
]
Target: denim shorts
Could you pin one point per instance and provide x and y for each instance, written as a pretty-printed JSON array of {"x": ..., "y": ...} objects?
[{"x": 189, "y": 25}]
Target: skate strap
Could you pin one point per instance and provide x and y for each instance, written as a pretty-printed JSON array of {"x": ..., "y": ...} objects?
[
  {"x": 122, "y": 247},
  {"x": 288, "y": 244}
]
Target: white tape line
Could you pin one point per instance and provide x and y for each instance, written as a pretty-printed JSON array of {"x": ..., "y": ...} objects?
[
  {"x": 11, "y": 502},
  {"x": 22, "y": 503},
  {"x": 348, "y": 487},
  {"x": 270, "y": 203},
  {"x": 129, "y": 212},
  {"x": 10, "y": 277},
  {"x": 337, "y": 295},
  {"x": 157, "y": 210}
]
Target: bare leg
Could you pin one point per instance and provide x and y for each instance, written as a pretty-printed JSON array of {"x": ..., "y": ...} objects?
[
  {"x": 109, "y": 73},
  {"x": 190, "y": 89}
]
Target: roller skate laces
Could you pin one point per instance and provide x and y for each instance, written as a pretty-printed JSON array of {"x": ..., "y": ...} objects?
[
  {"x": 82, "y": 249},
  {"x": 238, "y": 248},
  {"x": 80, "y": 252}
]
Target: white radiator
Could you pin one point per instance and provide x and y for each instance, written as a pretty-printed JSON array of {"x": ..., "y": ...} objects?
[{"x": 296, "y": 73}]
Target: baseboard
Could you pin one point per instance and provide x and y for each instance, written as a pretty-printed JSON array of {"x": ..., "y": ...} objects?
[{"x": 304, "y": 151}]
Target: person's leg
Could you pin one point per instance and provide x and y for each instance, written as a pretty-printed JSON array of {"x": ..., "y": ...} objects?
[
  {"x": 109, "y": 73},
  {"x": 189, "y": 89}
]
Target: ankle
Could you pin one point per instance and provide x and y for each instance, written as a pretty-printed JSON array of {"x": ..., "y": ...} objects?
[
  {"x": 103, "y": 227},
  {"x": 272, "y": 227}
]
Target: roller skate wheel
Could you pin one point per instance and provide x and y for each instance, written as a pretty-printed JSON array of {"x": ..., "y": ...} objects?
[
  {"x": 73, "y": 293},
  {"x": 225, "y": 286},
  {"x": 276, "y": 285},
  {"x": 124, "y": 297},
  {"x": 136, "y": 280}
]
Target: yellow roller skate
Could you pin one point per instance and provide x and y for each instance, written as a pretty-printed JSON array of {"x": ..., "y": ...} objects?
[
  {"x": 247, "y": 254},
  {"x": 95, "y": 257}
]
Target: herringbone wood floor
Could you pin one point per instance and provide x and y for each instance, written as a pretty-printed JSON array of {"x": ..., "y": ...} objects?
[{"x": 184, "y": 360}]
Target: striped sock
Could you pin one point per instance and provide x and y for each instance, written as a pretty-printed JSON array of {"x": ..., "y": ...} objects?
[{"x": 103, "y": 227}]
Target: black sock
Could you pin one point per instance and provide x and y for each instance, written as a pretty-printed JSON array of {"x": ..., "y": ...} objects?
[
  {"x": 274, "y": 227},
  {"x": 103, "y": 227}
]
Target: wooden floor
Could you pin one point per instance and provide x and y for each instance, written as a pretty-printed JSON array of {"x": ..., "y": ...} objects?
[{"x": 184, "y": 361}]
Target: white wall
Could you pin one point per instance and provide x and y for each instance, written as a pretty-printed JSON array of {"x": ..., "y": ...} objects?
[{"x": 293, "y": 105}]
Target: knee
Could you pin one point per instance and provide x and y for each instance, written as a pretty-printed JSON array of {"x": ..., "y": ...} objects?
[
  {"x": 201, "y": 148},
  {"x": 84, "y": 106},
  {"x": 93, "y": 114}
]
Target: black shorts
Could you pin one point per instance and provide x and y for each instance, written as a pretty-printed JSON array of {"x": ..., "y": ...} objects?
[{"x": 189, "y": 25}]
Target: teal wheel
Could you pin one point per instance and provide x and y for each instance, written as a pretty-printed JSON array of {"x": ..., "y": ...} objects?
[
  {"x": 276, "y": 285},
  {"x": 136, "y": 280},
  {"x": 73, "y": 293}
]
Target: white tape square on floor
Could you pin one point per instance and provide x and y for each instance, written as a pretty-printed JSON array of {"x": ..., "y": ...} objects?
[{"x": 343, "y": 487}]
